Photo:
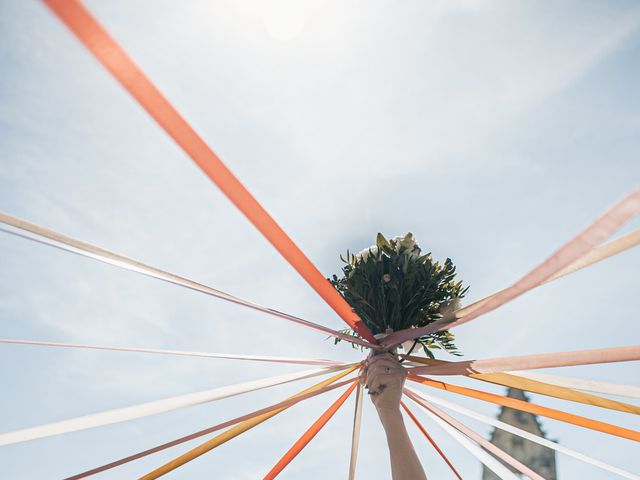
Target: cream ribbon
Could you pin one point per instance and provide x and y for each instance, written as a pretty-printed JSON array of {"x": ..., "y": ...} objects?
[
  {"x": 156, "y": 407},
  {"x": 228, "y": 356},
  {"x": 355, "y": 435}
]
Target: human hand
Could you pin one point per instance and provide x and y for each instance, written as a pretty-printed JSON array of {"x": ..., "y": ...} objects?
[{"x": 384, "y": 377}]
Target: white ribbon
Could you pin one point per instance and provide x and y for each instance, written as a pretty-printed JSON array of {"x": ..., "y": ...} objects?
[
  {"x": 492, "y": 463},
  {"x": 159, "y": 406},
  {"x": 524, "y": 434},
  {"x": 228, "y": 356},
  {"x": 355, "y": 435}
]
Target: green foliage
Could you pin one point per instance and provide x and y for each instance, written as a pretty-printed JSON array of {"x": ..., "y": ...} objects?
[{"x": 392, "y": 286}]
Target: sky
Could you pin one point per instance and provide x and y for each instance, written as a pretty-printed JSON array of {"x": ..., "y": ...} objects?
[{"x": 493, "y": 130}]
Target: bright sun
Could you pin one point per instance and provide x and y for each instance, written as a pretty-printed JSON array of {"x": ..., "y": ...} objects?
[{"x": 285, "y": 19}]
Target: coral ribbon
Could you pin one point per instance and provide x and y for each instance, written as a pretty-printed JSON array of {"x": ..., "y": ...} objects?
[
  {"x": 36, "y": 233},
  {"x": 532, "y": 408},
  {"x": 522, "y": 433},
  {"x": 233, "y": 432},
  {"x": 575, "y": 249},
  {"x": 307, "y": 436},
  {"x": 113, "y": 57},
  {"x": 431, "y": 440}
]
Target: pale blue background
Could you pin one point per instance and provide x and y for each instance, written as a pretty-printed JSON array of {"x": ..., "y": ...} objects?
[{"x": 494, "y": 130}]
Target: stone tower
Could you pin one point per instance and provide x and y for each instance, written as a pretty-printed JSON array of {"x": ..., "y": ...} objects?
[{"x": 540, "y": 459}]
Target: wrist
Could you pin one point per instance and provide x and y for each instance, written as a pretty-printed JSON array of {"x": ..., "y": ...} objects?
[{"x": 388, "y": 415}]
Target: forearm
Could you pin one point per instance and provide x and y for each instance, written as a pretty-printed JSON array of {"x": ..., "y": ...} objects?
[{"x": 405, "y": 464}]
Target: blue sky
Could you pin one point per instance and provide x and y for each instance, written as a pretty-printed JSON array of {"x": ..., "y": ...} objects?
[{"x": 492, "y": 130}]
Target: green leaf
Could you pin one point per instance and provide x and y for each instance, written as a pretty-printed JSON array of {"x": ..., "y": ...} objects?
[
  {"x": 382, "y": 242},
  {"x": 415, "y": 290}
]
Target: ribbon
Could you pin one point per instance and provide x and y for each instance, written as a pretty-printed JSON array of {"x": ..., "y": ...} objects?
[
  {"x": 595, "y": 386},
  {"x": 307, "y": 436},
  {"x": 522, "y": 383},
  {"x": 532, "y": 408},
  {"x": 490, "y": 447},
  {"x": 489, "y": 461},
  {"x": 159, "y": 406},
  {"x": 522, "y": 433},
  {"x": 58, "y": 240},
  {"x": 599, "y": 253},
  {"x": 234, "y": 432},
  {"x": 431, "y": 440},
  {"x": 113, "y": 58},
  {"x": 530, "y": 362},
  {"x": 355, "y": 434},
  {"x": 228, "y": 356},
  {"x": 570, "y": 252},
  {"x": 206, "y": 431},
  {"x": 549, "y": 390}
]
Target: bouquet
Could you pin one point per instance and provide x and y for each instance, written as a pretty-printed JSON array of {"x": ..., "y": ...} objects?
[{"x": 392, "y": 286}]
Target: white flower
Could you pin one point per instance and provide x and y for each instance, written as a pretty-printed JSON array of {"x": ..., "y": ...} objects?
[
  {"x": 408, "y": 243},
  {"x": 362, "y": 255},
  {"x": 447, "y": 309}
]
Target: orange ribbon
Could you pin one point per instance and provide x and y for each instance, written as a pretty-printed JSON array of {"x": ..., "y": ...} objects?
[
  {"x": 113, "y": 57},
  {"x": 307, "y": 436},
  {"x": 431, "y": 440},
  {"x": 235, "y": 431},
  {"x": 532, "y": 408},
  {"x": 229, "y": 423}
]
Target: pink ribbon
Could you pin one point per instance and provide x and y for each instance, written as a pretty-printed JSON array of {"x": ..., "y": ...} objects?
[
  {"x": 530, "y": 362},
  {"x": 582, "y": 244},
  {"x": 54, "y": 239}
]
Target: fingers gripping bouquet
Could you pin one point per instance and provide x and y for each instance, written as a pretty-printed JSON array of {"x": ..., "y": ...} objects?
[{"x": 392, "y": 287}]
